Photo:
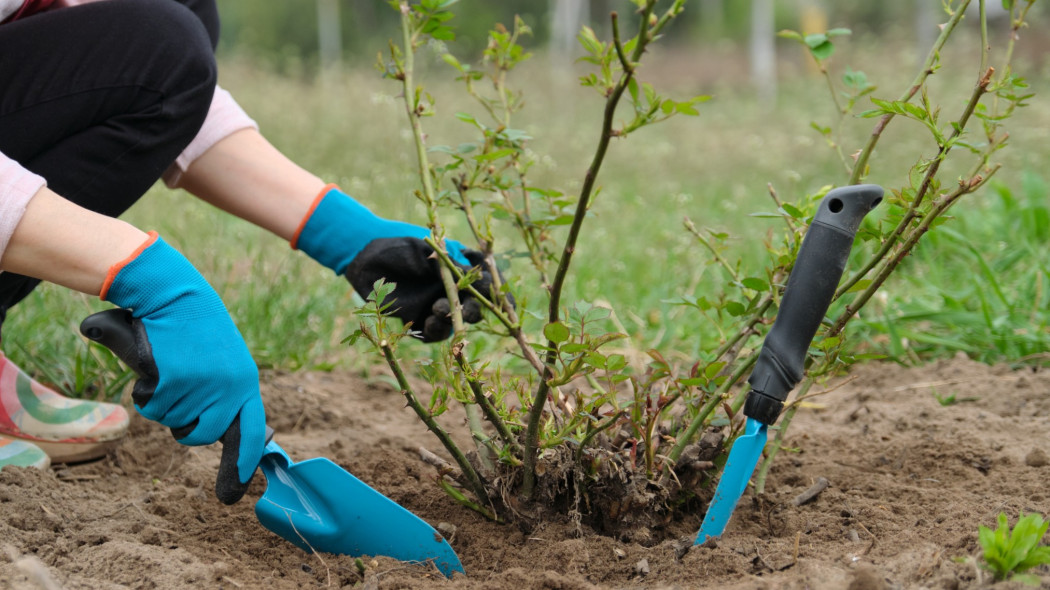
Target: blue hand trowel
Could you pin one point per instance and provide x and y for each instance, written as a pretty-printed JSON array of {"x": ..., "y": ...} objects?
[
  {"x": 781, "y": 362},
  {"x": 314, "y": 504}
]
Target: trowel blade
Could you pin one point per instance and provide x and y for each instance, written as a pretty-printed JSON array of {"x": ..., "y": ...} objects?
[{"x": 743, "y": 457}]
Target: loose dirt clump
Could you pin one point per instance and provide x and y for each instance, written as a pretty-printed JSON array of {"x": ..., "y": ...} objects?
[{"x": 909, "y": 479}]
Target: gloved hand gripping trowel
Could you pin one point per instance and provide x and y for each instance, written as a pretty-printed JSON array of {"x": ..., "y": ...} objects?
[{"x": 781, "y": 362}]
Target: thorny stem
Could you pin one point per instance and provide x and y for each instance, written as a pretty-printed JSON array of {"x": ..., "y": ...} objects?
[
  {"x": 471, "y": 476},
  {"x": 911, "y": 239},
  {"x": 927, "y": 69},
  {"x": 528, "y": 231},
  {"x": 646, "y": 33},
  {"x": 468, "y": 212},
  {"x": 913, "y": 209},
  {"x": 889, "y": 264},
  {"x": 507, "y": 316},
  {"x": 429, "y": 196},
  {"x": 748, "y": 328},
  {"x": 591, "y": 433},
  {"x": 689, "y": 225},
  {"x": 985, "y": 47},
  {"x": 780, "y": 205},
  {"x": 463, "y": 500},
  {"x": 713, "y": 402},
  {"x": 627, "y": 65},
  {"x": 842, "y": 112},
  {"x": 483, "y": 401},
  {"x": 1015, "y": 26}
]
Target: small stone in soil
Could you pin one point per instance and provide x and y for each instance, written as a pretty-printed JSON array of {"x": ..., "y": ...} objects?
[
  {"x": 642, "y": 567},
  {"x": 682, "y": 545},
  {"x": 1036, "y": 458}
]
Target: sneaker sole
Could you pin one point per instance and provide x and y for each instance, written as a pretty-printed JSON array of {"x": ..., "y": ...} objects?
[{"x": 72, "y": 452}]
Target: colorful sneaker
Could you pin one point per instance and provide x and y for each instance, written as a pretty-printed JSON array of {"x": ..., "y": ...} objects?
[
  {"x": 19, "y": 453},
  {"x": 66, "y": 429}
]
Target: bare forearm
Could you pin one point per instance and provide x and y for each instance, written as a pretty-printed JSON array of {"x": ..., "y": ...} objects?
[
  {"x": 68, "y": 245},
  {"x": 246, "y": 176}
]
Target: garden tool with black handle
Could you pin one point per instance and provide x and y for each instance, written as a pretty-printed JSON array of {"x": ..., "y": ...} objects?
[
  {"x": 781, "y": 362},
  {"x": 314, "y": 504}
]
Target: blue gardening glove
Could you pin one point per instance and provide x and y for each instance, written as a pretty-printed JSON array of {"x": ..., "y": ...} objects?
[
  {"x": 196, "y": 375},
  {"x": 346, "y": 237}
]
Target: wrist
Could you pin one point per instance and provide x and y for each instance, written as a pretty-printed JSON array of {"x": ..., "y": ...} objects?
[
  {"x": 337, "y": 228},
  {"x": 156, "y": 277}
]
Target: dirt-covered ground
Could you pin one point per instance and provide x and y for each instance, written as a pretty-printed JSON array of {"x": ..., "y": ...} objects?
[{"x": 910, "y": 481}]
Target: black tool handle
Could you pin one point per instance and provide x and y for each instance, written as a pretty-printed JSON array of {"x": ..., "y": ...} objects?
[
  {"x": 810, "y": 288},
  {"x": 119, "y": 331}
]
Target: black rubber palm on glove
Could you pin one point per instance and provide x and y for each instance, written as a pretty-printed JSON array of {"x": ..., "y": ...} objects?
[{"x": 346, "y": 237}]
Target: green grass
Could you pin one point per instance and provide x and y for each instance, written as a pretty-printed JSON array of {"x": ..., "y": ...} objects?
[{"x": 978, "y": 285}]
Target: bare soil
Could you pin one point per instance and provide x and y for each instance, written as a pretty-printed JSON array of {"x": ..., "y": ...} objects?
[{"x": 910, "y": 481}]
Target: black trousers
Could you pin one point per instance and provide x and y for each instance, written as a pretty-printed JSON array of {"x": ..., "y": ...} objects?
[{"x": 100, "y": 99}]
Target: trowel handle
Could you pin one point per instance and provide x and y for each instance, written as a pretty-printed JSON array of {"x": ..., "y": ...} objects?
[
  {"x": 119, "y": 331},
  {"x": 810, "y": 288}
]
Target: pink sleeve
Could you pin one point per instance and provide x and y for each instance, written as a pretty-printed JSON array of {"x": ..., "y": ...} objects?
[
  {"x": 17, "y": 187},
  {"x": 224, "y": 117}
]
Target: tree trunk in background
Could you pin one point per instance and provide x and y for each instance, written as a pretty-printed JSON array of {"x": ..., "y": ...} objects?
[
  {"x": 567, "y": 17},
  {"x": 763, "y": 52},
  {"x": 329, "y": 34}
]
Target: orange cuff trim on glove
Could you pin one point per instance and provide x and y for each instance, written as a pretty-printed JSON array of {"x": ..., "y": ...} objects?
[
  {"x": 116, "y": 268},
  {"x": 317, "y": 201}
]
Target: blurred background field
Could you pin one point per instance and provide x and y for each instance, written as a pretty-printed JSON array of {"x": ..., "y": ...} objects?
[{"x": 979, "y": 284}]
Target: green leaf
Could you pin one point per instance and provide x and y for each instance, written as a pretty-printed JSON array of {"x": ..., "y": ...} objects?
[
  {"x": 686, "y": 108},
  {"x": 711, "y": 370},
  {"x": 443, "y": 34},
  {"x": 556, "y": 332},
  {"x": 494, "y": 155},
  {"x": 822, "y": 51},
  {"x": 632, "y": 87},
  {"x": 789, "y": 34},
  {"x": 793, "y": 211},
  {"x": 855, "y": 79},
  {"x": 597, "y": 360},
  {"x": 590, "y": 41},
  {"x": 574, "y": 347},
  {"x": 735, "y": 308},
  {"x": 755, "y": 283},
  {"x": 467, "y": 117},
  {"x": 452, "y": 61},
  {"x": 915, "y": 111},
  {"x": 815, "y": 40}
]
